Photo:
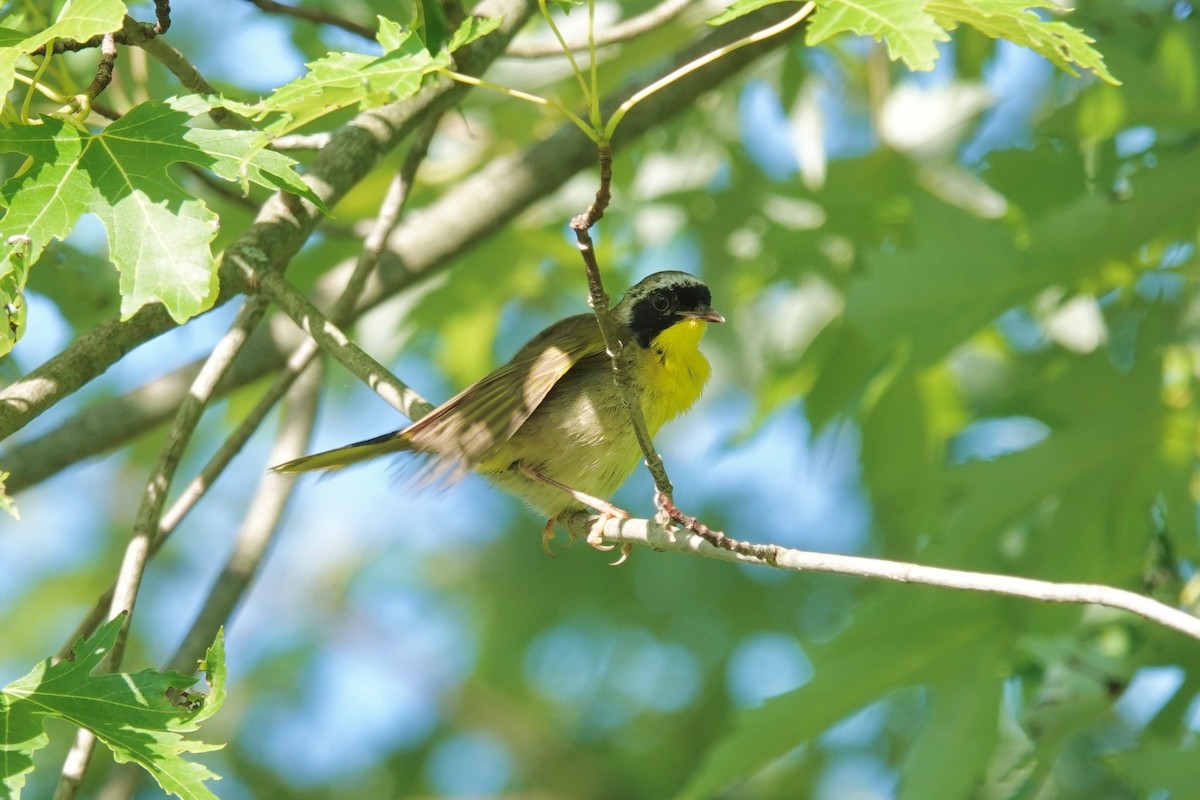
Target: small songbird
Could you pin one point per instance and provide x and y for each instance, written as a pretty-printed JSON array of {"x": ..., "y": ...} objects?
[{"x": 549, "y": 426}]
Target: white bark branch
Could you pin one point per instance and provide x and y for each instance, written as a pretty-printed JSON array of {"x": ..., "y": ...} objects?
[{"x": 652, "y": 534}]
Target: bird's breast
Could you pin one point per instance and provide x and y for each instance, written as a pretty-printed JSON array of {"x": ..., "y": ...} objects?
[{"x": 672, "y": 372}]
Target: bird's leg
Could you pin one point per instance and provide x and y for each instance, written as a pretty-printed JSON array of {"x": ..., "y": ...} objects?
[{"x": 607, "y": 510}]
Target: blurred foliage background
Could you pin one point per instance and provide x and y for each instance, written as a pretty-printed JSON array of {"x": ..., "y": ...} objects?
[{"x": 962, "y": 331}]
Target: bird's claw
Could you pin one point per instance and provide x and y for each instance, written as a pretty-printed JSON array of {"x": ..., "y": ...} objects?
[{"x": 595, "y": 536}]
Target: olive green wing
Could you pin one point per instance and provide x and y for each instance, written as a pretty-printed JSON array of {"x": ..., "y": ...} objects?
[
  {"x": 471, "y": 426},
  {"x": 476, "y": 422}
]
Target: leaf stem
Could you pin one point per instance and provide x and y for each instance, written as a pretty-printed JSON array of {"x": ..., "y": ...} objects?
[
  {"x": 36, "y": 83},
  {"x": 708, "y": 58},
  {"x": 578, "y": 121},
  {"x": 562, "y": 42},
  {"x": 594, "y": 105}
]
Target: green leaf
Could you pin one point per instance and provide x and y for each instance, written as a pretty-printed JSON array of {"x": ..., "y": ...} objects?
[
  {"x": 472, "y": 28},
  {"x": 79, "y": 20},
  {"x": 341, "y": 80},
  {"x": 968, "y": 701},
  {"x": 910, "y": 32},
  {"x": 159, "y": 236},
  {"x": 14, "y": 273},
  {"x": 6, "y": 503},
  {"x": 892, "y": 644},
  {"x": 140, "y": 716},
  {"x": 1014, "y": 20},
  {"x": 1159, "y": 765},
  {"x": 741, "y": 9},
  {"x": 433, "y": 25},
  {"x": 926, "y": 301}
]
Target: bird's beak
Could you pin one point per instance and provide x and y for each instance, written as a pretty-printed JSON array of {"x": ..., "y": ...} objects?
[{"x": 704, "y": 313}]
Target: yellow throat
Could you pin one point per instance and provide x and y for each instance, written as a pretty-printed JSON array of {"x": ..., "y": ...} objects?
[{"x": 672, "y": 371}]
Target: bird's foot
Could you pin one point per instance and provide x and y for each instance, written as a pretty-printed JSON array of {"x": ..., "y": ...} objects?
[
  {"x": 595, "y": 536},
  {"x": 606, "y": 511}
]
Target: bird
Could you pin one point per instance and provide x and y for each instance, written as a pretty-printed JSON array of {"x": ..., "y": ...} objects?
[{"x": 550, "y": 426}]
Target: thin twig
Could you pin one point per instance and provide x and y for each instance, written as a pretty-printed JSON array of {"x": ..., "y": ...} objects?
[
  {"x": 162, "y": 15},
  {"x": 692, "y": 66},
  {"x": 185, "y": 72},
  {"x": 104, "y": 68},
  {"x": 259, "y": 526},
  {"x": 131, "y": 29},
  {"x": 137, "y": 553},
  {"x": 334, "y": 341},
  {"x": 609, "y": 329},
  {"x": 654, "y": 535},
  {"x": 621, "y": 32},
  {"x": 317, "y": 15}
]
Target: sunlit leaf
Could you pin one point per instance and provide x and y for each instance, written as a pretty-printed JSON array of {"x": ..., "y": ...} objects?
[
  {"x": 740, "y": 9},
  {"x": 344, "y": 79},
  {"x": 910, "y": 32},
  {"x": 159, "y": 236},
  {"x": 142, "y": 716},
  {"x": 1015, "y": 20}
]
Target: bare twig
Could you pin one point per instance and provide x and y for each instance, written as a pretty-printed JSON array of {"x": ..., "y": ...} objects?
[
  {"x": 621, "y": 32},
  {"x": 317, "y": 15},
  {"x": 335, "y": 342},
  {"x": 650, "y": 533},
  {"x": 162, "y": 16},
  {"x": 130, "y": 30},
  {"x": 608, "y": 325},
  {"x": 137, "y": 553},
  {"x": 185, "y": 71},
  {"x": 104, "y": 68},
  {"x": 261, "y": 522}
]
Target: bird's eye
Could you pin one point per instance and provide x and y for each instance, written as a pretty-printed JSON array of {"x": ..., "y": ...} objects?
[{"x": 660, "y": 302}]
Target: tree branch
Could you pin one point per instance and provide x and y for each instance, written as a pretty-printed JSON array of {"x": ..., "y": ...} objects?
[
  {"x": 613, "y": 343},
  {"x": 317, "y": 15},
  {"x": 333, "y": 341},
  {"x": 654, "y": 535}
]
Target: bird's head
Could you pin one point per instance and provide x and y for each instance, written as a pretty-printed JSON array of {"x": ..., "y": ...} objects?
[{"x": 663, "y": 300}]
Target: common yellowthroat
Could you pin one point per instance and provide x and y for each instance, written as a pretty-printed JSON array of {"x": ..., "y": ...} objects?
[{"x": 551, "y": 419}]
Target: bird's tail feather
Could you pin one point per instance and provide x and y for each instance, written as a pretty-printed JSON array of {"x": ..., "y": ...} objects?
[{"x": 394, "y": 442}]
